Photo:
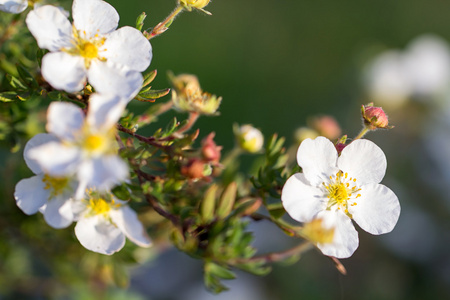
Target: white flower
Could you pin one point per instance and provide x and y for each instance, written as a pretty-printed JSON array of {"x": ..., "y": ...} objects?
[
  {"x": 13, "y": 6},
  {"x": 105, "y": 221},
  {"x": 90, "y": 48},
  {"x": 86, "y": 147},
  {"x": 339, "y": 189},
  {"x": 51, "y": 195}
]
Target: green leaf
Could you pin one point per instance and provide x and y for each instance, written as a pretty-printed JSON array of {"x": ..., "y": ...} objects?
[
  {"x": 26, "y": 77},
  {"x": 39, "y": 55},
  {"x": 15, "y": 82},
  {"x": 219, "y": 271},
  {"x": 140, "y": 21},
  {"x": 121, "y": 192},
  {"x": 149, "y": 77},
  {"x": 154, "y": 94},
  {"x": 8, "y": 96},
  {"x": 208, "y": 204},
  {"x": 227, "y": 201}
]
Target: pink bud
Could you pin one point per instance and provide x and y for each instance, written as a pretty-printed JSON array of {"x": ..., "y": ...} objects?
[
  {"x": 374, "y": 117},
  {"x": 326, "y": 126},
  {"x": 210, "y": 150}
]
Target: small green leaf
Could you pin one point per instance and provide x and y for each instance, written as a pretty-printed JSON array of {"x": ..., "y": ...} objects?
[
  {"x": 219, "y": 271},
  {"x": 27, "y": 77},
  {"x": 155, "y": 94},
  {"x": 208, "y": 204},
  {"x": 8, "y": 96},
  {"x": 121, "y": 192},
  {"x": 227, "y": 201},
  {"x": 140, "y": 21},
  {"x": 15, "y": 82},
  {"x": 149, "y": 77}
]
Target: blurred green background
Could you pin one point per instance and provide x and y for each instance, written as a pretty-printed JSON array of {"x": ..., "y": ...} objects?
[{"x": 275, "y": 63}]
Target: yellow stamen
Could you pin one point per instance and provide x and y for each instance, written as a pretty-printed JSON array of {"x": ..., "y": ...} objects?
[
  {"x": 57, "y": 185},
  {"x": 88, "y": 50}
]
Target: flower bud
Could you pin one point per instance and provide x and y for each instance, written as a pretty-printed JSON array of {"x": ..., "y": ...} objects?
[
  {"x": 199, "y": 4},
  {"x": 210, "y": 150},
  {"x": 326, "y": 126},
  {"x": 304, "y": 133},
  {"x": 341, "y": 144},
  {"x": 374, "y": 117},
  {"x": 196, "y": 169},
  {"x": 188, "y": 96},
  {"x": 249, "y": 138}
]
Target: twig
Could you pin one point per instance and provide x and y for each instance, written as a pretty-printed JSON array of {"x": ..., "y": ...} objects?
[{"x": 274, "y": 256}]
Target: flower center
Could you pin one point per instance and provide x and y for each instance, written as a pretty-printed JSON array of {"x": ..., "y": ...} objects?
[
  {"x": 57, "y": 185},
  {"x": 99, "y": 206},
  {"x": 94, "y": 142},
  {"x": 87, "y": 47},
  {"x": 88, "y": 50},
  {"x": 341, "y": 192},
  {"x": 97, "y": 143}
]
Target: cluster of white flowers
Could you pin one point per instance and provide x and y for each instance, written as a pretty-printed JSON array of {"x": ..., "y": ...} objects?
[
  {"x": 422, "y": 70},
  {"x": 338, "y": 188},
  {"x": 77, "y": 163}
]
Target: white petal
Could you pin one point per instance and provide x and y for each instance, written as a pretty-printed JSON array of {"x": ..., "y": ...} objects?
[
  {"x": 94, "y": 17},
  {"x": 50, "y": 27},
  {"x": 127, "y": 220},
  {"x": 103, "y": 172},
  {"x": 58, "y": 212},
  {"x": 30, "y": 194},
  {"x": 56, "y": 159},
  {"x": 104, "y": 111},
  {"x": 64, "y": 120},
  {"x": 64, "y": 71},
  {"x": 301, "y": 200},
  {"x": 127, "y": 46},
  {"x": 318, "y": 159},
  {"x": 37, "y": 140},
  {"x": 363, "y": 160},
  {"x": 109, "y": 78},
  {"x": 13, "y": 6},
  {"x": 99, "y": 235},
  {"x": 345, "y": 240},
  {"x": 377, "y": 210}
]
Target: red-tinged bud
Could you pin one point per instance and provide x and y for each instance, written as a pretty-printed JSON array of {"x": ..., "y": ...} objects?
[
  {"x": 326, "y": 126},
  {"x": 340, "y": 145},
  {"x": 210, "y": 150},
  {"x": 196, "y": 169},
  {"x": 374, "y": 117}
]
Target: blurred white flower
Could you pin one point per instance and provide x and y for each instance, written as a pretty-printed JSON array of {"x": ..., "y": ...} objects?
[
  {"x": 86, "y": 147},
  {"x": 339, "y": 189},
  {"x": 105, "y": 221},
  {"x": 421, "y": 71},
  {"x": 13, "y": 6},
  {"x": 50, "y": 195},
  {"x": 91, "y": 48}
]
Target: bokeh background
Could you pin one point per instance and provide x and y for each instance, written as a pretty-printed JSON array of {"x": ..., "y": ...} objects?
[{"x": 276, "y": 64}]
